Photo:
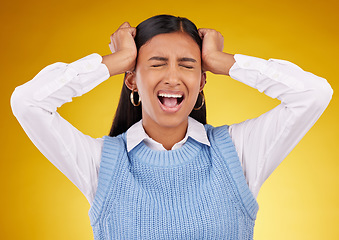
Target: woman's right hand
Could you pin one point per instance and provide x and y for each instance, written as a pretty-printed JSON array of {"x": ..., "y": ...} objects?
[{"x": 124, "y": 51}]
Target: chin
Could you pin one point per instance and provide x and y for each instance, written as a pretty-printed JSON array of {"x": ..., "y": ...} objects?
[
  {"x": 167, "y": 117},
  {"x": 172, "y": 121}
]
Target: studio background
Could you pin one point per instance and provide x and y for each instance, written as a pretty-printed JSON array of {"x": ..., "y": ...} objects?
[{"x": 298, "y": 201}]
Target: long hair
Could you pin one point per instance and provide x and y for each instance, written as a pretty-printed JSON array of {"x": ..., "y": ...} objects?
[{"x": 127, "y": 114}]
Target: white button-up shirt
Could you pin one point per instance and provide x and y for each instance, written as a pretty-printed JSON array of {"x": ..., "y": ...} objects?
[{"x": 261, "y": 143}]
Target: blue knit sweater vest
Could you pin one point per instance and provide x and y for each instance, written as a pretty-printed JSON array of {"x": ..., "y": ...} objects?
[{"x": 194, "y": 192}]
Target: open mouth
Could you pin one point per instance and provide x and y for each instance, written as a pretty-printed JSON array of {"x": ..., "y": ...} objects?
[{"x": 170, "y": 101}]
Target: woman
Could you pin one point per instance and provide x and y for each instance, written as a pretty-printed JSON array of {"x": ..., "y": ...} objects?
[{"x": 163, "y": 173}]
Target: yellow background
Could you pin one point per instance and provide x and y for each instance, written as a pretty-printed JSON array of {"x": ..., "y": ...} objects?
[{"x": 298, "y": 201}]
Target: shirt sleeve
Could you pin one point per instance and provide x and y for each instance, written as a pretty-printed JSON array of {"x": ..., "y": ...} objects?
[
  {"x": 262, "y": 143},
  {"x": 35, "y": 104}
]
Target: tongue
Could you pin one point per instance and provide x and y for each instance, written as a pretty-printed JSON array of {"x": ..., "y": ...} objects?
[{"x": 169, "y": 102}]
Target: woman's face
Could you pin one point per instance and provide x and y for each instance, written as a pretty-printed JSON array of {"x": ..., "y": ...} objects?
[{"x": 168, "y": 78}]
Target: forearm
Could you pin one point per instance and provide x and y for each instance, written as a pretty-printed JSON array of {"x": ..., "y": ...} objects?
[
  {"x": 282, "y": 80},
  {"x": 116, "y": 62},
  {"x": 34, "y": 104},
  {"x": 220, "y": 63},
  {"x": 58, "y": 83},
  {"x": 263, "y": 142}
]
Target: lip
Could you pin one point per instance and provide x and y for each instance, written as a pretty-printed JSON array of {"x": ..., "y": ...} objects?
[
  {"x": 172, "y": 109},
  {"x": 171, "y": 92}
]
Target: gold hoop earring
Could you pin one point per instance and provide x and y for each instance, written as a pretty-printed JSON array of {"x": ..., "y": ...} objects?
[
  {"x": 132, "y": 99},
  {"x": 202, "y": 101}
]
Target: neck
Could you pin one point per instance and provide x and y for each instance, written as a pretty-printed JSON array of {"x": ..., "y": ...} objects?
[{"x": 167, "y": 136}]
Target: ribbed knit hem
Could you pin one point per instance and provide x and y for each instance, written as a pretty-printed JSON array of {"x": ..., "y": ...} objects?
[
  {"x": 106, "y": 172},
  {"x": 220, "y": 136},
  {"x": 187, "y": 153}
]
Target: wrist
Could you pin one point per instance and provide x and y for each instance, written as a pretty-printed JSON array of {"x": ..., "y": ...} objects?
[
  {"x": 108, "y": 60},
  {"x": 219, "y": 63},
  {"x": 118, "y": 62},
  {"x": 224, "y": 62}
]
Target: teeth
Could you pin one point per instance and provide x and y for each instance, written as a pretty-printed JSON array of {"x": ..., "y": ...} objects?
[{"x": 170, "y": 95}]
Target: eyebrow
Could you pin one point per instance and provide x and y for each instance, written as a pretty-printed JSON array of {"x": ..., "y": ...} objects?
[{"x": 184, "y": 59}]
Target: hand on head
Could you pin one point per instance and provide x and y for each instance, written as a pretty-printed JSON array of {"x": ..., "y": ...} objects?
[
  {"x": 122, "y": 43},
  {"x": 123, "y": 46},
  {"x": 212, "y": 45}
]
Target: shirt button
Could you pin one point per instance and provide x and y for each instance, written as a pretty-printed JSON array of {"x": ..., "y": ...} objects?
[{"x": 63, "y": 80}]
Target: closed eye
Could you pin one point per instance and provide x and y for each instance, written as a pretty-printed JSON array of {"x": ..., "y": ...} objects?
[
  {"x": 185, "y": 66},
  {"x": 158, "y": 65}
]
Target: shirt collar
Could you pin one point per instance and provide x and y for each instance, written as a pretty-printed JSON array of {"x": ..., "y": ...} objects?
[{"x": 136, "y": 134}]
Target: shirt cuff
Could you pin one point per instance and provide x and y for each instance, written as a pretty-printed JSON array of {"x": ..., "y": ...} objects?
[
  {"x": 92, "y": 72},
  {"x": 246, "y": 68},
  {"x": 87, "y": 64}
]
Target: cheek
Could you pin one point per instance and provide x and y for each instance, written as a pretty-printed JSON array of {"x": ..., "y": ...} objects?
[
  {"x": 194, "y": 83},
  {"x": 145, "y": 87}
]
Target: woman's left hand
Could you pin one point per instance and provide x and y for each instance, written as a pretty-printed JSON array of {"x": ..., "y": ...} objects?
[{"x": 213, "y": 57}]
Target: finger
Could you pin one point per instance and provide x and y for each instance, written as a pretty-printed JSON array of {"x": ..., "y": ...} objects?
[
  {"x": 201, "y": 35},
  {"x": 203, "y": 68},
  {"x": 202, "y": 32},
  {"x": 111, "y": 47},
  {"x": 132, "y": 31},
  {"x": 124, "y": 25}
]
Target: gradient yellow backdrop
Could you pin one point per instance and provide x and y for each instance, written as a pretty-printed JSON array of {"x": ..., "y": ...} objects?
[{"x": 298, "y": 201}]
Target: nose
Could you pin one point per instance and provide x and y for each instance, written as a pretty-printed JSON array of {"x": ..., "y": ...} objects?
[{"x": 172, "y": 77}]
